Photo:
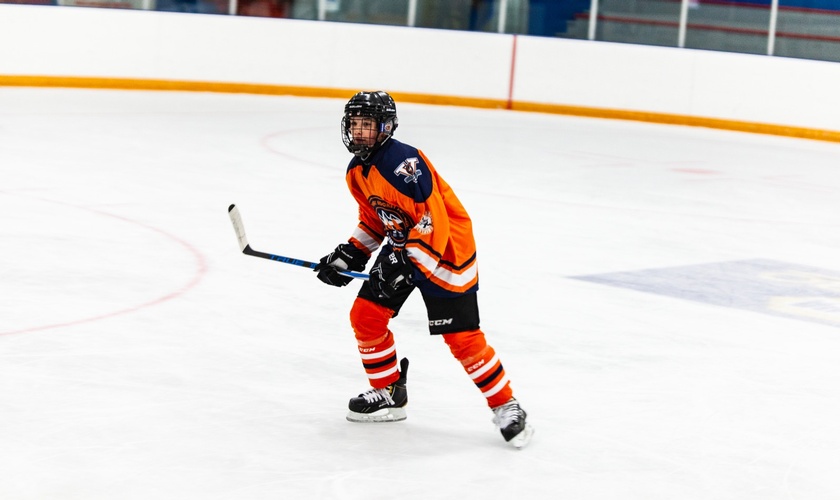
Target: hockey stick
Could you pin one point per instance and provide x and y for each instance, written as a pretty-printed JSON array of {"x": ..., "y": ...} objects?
[{"x": 236, "y": 220}]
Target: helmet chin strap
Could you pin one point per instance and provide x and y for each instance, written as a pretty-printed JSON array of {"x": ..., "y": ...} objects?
[{"x": 365, "y": 154}]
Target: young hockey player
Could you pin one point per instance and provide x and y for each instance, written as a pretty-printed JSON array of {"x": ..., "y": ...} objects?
[{"x": 428, "y": 245}]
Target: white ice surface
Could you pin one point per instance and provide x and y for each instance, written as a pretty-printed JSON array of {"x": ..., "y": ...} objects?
[{"x": 142, "y": 356}]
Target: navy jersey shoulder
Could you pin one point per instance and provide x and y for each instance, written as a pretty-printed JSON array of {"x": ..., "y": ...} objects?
[{"x": 403, "y": 167}]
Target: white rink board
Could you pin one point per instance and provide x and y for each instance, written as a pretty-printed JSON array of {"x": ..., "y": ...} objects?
[{"x": 193, "y": 47}]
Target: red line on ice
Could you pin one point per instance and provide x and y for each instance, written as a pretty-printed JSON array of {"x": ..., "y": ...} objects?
[{"x": 198, "y": 275}]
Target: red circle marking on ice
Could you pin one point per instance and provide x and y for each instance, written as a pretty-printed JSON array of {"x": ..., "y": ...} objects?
[
  {"x": 699, "y": 171},
  {"x": 201, "y": 270}
]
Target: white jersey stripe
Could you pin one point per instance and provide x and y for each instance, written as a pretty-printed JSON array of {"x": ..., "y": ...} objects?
[
  {"x": 429, "y": 263},
  {"x": 365, "y": 239}
]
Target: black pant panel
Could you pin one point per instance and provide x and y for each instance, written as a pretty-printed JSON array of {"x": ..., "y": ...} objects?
[
  {"x": 452, "y": 314},
  {"x": 395, "y": 302}
]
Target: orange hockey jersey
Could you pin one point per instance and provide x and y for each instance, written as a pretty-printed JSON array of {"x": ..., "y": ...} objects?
[{"x": 402, "y": 198}]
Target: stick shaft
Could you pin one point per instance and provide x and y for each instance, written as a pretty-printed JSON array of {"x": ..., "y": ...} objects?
[{"x": 239, "y": 228}]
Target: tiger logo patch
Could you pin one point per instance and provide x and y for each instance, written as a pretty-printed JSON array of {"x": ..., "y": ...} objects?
[{"x": 396, "y": 221}]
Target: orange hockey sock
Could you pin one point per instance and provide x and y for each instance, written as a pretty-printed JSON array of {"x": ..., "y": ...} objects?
[
  {"x": 376, "y": 342},
  {"x": 482, "y": 365}
]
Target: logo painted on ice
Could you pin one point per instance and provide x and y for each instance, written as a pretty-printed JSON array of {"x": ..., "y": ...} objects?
[{"x": 409, "y": 169}]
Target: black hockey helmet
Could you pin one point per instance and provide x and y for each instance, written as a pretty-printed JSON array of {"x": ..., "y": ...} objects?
[{"x": 377, "y": 105}]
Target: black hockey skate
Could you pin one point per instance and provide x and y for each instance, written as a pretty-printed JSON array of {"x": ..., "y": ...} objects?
[
  {"x": 382, "y": 405},
  {"x": 510, "y": 418}
]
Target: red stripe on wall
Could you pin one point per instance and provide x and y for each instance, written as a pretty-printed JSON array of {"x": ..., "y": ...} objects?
[{"x": 509, "y": 104}]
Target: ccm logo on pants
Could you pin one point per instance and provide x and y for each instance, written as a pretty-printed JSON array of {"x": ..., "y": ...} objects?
[{"x": 440, "y": 322}]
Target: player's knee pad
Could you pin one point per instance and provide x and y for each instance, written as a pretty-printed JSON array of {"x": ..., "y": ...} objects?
[
  {"x": 466, "y": 346},
  {"x": 369, "y": 320}
]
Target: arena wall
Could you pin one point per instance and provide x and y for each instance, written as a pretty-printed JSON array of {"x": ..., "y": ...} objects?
[{"x": 112, "y": 48}]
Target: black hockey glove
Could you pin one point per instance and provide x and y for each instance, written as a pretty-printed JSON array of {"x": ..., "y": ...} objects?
[
  {"x": 391, "y": 271},
  {"x": 345, "y": 257}
]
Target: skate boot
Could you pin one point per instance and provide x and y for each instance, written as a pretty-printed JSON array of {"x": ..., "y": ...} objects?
[
  {"x": 382, "y": 405},
  {"x": 510, "y": 419}
]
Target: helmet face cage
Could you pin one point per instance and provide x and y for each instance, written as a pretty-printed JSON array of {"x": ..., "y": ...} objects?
[{"x": 377, "y": 105}]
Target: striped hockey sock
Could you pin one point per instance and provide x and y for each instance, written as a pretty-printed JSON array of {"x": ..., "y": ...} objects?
[
  {"x": 375, "y": 341},
  {"x": 489, "y": 376},
  {"x": 380, "y": 360},
  {"x": 482, "y": 364}
]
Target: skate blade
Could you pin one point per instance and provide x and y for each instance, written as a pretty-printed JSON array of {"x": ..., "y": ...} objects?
[
  {"x": 383, "y": 415},
  {"x": 522, "y": 439}
]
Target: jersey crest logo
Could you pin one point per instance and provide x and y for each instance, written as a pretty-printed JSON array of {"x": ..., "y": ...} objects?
[
  {"x": 409, "y": 169},
  {"x": 396, "y": 222}
]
